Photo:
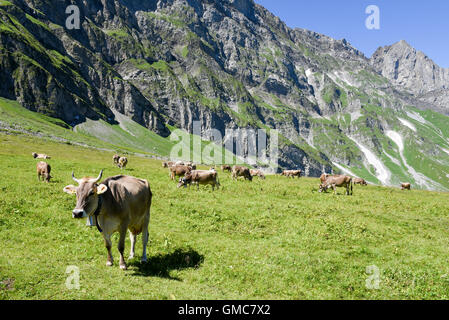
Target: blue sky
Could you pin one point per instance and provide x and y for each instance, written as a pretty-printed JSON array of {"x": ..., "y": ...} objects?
[{"x": 422, "y": 23}]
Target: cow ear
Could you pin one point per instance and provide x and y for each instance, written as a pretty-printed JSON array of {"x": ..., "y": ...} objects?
[
  {"x": 101, "y": 189},
  {"x": 70, "y": 189}
]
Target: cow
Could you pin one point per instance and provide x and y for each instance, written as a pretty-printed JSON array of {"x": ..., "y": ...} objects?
[
  {"x": 43, "y": 170},
  {"x": 118, "y": 204},
  {"x": 168, "y": 164},
  {"x": 292, "y": 173},
  {"x": 339, "y": 181},
  {"x": 122, "y": 162},
  {"x": 40, "y": 156},
  {"x": 406, "y": 186},
  {"x": 239, "y": 171},
  {"x": 226, "y": 168},
  {"x": 200, "y": 177},
  {"x": 323, "y": 177},
  {"x": 179, "y": 171},
  {"x": 360, "y": 181},
  {"x": 257, "y": 173},
  {"x": 116, "y": 158}
]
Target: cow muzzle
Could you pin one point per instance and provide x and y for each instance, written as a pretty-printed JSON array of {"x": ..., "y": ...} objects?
[{"x": 78, "y": 214}]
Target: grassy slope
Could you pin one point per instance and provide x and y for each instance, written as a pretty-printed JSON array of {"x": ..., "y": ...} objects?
[
  {"x": 128, "y": 137},
  {"x": 272, "y": 239}
]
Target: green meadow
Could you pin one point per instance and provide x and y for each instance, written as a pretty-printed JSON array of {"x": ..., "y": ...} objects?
[{"x": 272, "y": 239}]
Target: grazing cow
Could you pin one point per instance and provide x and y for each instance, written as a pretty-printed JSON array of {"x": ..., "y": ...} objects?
[
  {"x": 257, "y": 173},
  {"x": 323, "y": 177},
  {"x": 360, "y": 181},
  {"x": 239, "y": 171},
  {"x": 338, "y": 181},
  {"x": 116, "y": 158},
  {"x": 40, "y": 156},
  {"x": 179, "y": 171},
  {"x": 117, "y": 204},
  {"x": 406, "y": 186},
  {"x": 122, "y": 162},
  {"x": 43, "y": 170},
  {"x": 200, "y": 177},
  {"x": 226, "y": 168},
  {"x": 292, "y": 173},
  {"x": 168, "y": 164}
]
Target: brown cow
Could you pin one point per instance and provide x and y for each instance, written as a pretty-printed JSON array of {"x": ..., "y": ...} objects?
[
  {"x": 200, "y": 177},
  {"x": 118, "y": 204},
  {"x": 257, "y": 173},
  {"x": 239, "y": 171},
  {"x": 360, "y": 181},
  {"x": 179, "y": 171},
  {"x": 40, "y": 156},
  {"x": 168, "y": 164},
  {"x": 226, "y": 168},
  {"x": 323, "y": 177},
  {"x": 292, "y": 173},
  {"x": 338, "y": 181},
  {"x": 122, "y": 162},
  {"x": 116, "y": 158},
  {"x": 43, "y": 170},
  {"x": 406, "y": 186}
]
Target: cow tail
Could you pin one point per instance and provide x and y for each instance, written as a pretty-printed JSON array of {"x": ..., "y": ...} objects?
[{"x": 352, "y": 190}]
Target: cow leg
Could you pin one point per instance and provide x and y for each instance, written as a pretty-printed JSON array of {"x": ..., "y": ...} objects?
[
  {"x": 108, "y": 244},
  {"x": 145, "y": 238},
  {"x": 132, "y": 238},
  {"x": 121, "y": 246}
]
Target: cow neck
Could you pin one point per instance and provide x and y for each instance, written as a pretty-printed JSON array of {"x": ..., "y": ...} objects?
[{"x": 97, "y": 212}]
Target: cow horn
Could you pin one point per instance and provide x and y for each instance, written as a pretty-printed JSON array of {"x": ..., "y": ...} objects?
[
  {"x": 75, "y": 179},
  {"x": 99, "y": 177}
]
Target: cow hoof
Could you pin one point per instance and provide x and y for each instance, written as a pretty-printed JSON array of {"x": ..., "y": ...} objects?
[
  {"x": 109, "y": 264},
  {"x": 144, "y": 260},
  {"x": 131, "y": 257},
  {"x": 123, "y": 267}
]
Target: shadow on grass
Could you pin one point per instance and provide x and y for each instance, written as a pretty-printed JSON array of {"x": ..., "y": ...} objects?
[{"x": 162, "y": 264}]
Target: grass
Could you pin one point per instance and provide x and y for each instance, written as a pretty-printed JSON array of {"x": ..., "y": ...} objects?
[{"x": 273, "y": 239}]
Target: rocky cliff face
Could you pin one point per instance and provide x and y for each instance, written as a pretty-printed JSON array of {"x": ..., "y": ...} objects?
[
  {"x": 228, "y": 64},
  {"x": 412, "y": 70}
]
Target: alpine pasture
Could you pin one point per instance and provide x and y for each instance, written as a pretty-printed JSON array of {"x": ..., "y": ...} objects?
[{"x": 268, "y": 239}]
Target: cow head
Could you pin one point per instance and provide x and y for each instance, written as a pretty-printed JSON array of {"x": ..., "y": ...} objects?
[
  {"x": 87, "y": 194},
  {"x": 323, "y": 188},
  {"x": 186, "y": 180}
]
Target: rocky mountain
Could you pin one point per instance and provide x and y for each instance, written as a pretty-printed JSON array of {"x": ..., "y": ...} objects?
[
  {"x": 231, "y": 64},
  {"x": 413, "y": 71}
]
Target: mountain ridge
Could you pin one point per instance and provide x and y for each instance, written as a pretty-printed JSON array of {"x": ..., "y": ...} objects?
[{"x": 227, "y": 64}]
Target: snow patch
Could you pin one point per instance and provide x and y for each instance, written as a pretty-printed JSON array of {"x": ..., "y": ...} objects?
[
  {"x": 415, "y": 116},
  {"x": 355, "y": 115},
  {"x": 408, "y": 124},
  {"x": 347, "y": 171},
  {"x": 309, "y": 73},
  {"x": 382, "y": 173}
]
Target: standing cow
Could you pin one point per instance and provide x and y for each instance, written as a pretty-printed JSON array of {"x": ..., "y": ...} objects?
[
  {"x": 200, "y": 177},
  {"x": 406, "y": 186},
  {"x": 226, "y": 167},
  {"x": 117, "y": 204},
  {"x": 239, "y": 171},
  {"x": 292, "y": 173},
  {"x": 179, "y": 171},
  {"x": 43, "y": 170},
  {"x": 40, "y": 156},
  {"x": 122, "y": 162},
  {"x": 338, "y": 181},
  {"x": 257, "y": 173}
]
